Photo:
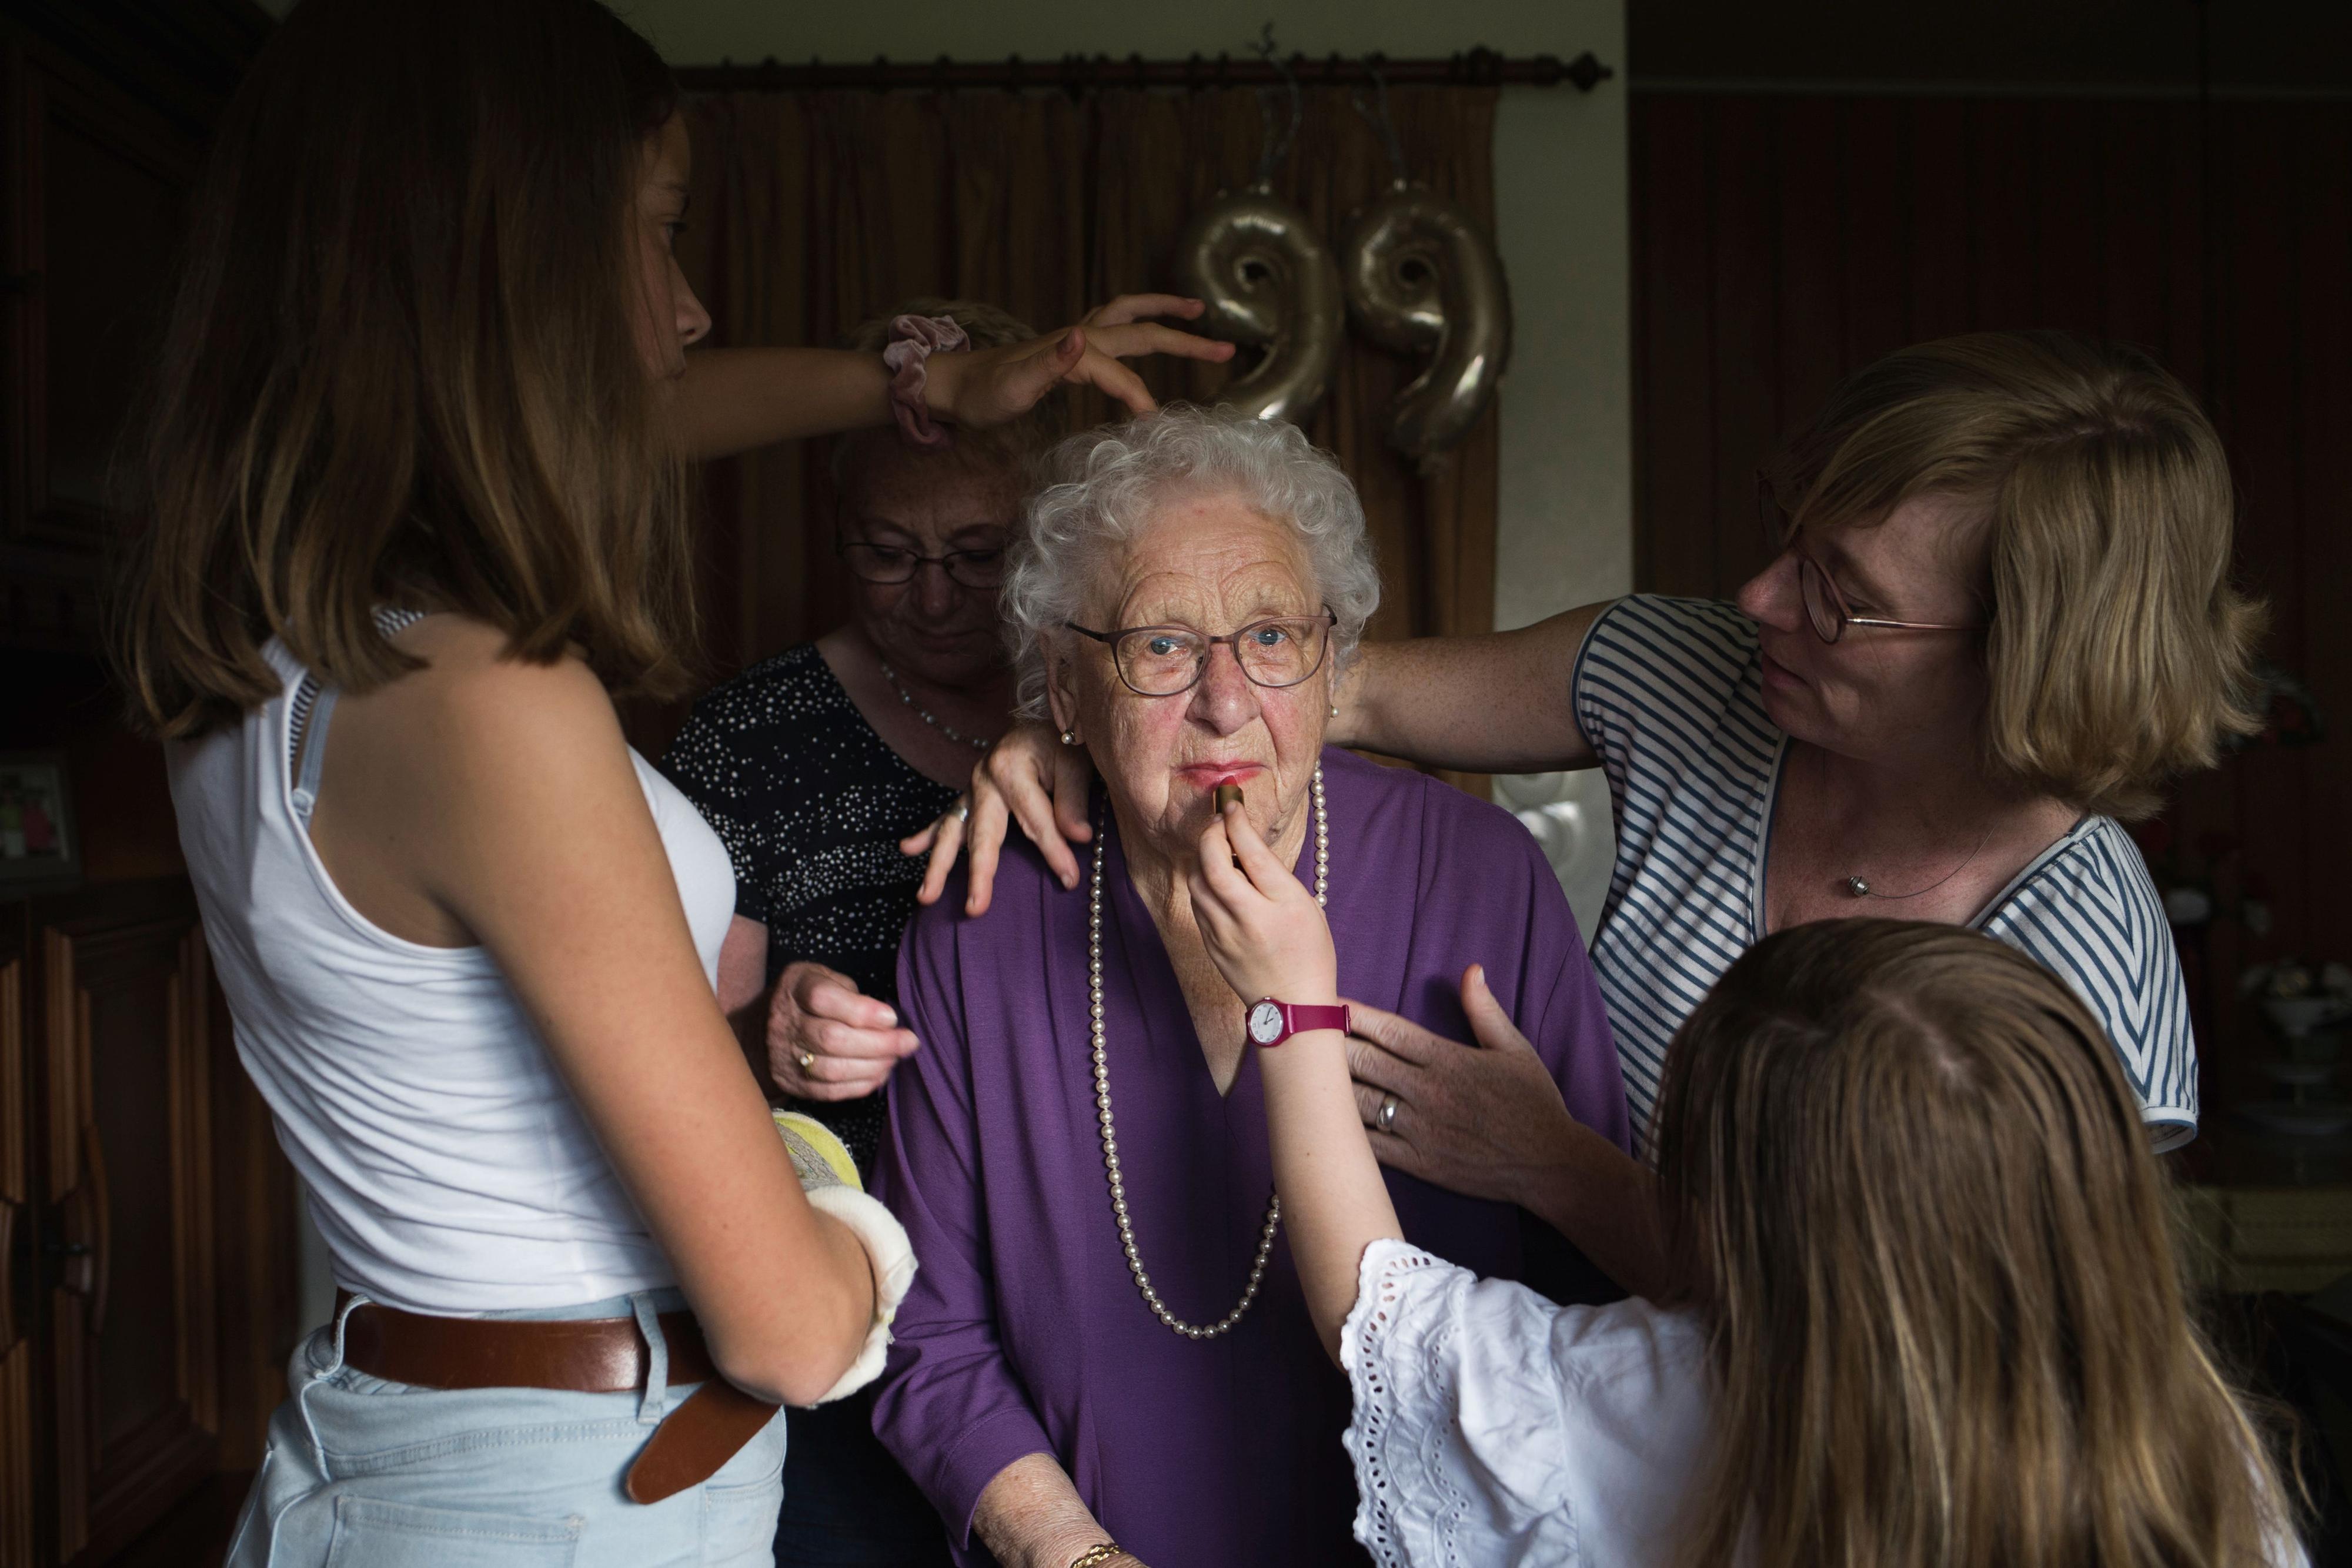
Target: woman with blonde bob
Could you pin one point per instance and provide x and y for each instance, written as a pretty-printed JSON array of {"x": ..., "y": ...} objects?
[
  {"x": 1925, "y": 1309},
  {"x": 1999, "y": 620},
  {"x": 414, "y": 482}
]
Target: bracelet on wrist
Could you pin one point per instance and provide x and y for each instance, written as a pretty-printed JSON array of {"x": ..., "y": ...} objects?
[{"x": 1097, "y": 1554}]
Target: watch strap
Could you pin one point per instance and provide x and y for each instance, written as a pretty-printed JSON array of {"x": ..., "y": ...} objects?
[{"x": 1302, "y": 1017}]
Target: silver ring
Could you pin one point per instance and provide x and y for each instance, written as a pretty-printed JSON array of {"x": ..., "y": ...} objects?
[
  {"x": 962, "y": 812},
  {"x": 1385, "y": 1118}
]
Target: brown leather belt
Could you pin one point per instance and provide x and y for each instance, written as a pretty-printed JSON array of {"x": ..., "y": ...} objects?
[{"x": 588, "y": 1355}]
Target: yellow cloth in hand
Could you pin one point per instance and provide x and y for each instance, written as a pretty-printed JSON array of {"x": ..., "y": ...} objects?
[
  {"x": 819, "y": 1158},
  {"x": 829, "y": 1176}
]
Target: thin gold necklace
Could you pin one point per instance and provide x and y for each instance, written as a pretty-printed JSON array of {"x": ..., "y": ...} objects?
[
  {"x": 892, "y": 675},
  {"x": 1110, "y": 1131},
  {"x": 1859, "y": 885}
]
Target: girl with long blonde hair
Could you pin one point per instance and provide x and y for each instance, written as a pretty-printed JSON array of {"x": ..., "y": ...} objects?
[{"x": 1925, "y": 1309}]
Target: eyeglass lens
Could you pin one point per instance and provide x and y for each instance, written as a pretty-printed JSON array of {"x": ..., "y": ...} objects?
[
  {"x": 889, "y": 564},
  {"x": 1822, "y": 607},
  {"x": 1161, "y": 660}
]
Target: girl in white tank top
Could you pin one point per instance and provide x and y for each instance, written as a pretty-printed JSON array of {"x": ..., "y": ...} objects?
[
  {"x": 449, "y": 1165},
  {"x": 430, "y": 352}
]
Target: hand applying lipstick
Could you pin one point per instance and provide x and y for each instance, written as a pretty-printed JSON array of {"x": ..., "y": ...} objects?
[
  {"x": 1229, "y": 795},
  {"x": 1269, "y": 937},
  {"x": 1260, "y": 924}
]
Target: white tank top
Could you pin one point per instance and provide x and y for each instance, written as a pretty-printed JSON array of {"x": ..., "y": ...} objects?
[{"x": 449, "y": 1168}]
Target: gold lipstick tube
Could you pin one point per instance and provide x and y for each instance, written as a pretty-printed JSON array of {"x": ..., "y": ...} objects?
[{"x": 1229, "y": 795}]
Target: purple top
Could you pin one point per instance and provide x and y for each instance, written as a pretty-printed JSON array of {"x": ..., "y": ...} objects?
[{"x": 1025, "y": 1333}]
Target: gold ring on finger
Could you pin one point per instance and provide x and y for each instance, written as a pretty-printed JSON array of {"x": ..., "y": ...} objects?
[
  {"x": 807, "y": 1059},
  {"x": 1385, "y": 1119}
]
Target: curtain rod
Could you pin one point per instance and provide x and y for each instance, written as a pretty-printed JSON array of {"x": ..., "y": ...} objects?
[{"x": 1084, "y": 73}]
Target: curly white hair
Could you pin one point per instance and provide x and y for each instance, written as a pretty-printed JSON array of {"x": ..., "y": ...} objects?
[{"x": 1098, "y": 488}]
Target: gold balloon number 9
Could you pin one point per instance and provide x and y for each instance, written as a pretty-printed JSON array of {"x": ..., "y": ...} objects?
[
  {"x": 1270, "y": 284},
  {"x": 1422, "y": 280}
]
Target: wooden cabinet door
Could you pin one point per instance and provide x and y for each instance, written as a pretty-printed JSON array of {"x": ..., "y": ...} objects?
[
  {"x": 123, "y": 1016},
  {"x": 19, "y": 1480}
]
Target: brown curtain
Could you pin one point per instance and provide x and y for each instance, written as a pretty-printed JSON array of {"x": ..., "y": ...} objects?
[{"x": 814, "y": 210}]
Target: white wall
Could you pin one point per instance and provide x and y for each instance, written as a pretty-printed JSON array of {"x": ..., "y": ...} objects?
[{"x": 1565, "y": 532}]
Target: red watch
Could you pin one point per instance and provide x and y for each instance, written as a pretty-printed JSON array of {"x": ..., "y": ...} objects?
[{"x": 1272, "y": 1022}]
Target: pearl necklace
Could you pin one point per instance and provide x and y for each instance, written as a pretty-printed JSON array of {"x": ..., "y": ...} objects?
[
  {"x": 922, "y": 713},
  {"x": 1110, "y": 1131}
]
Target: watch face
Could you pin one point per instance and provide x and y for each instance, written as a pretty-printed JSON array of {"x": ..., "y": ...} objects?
[{"x": 1266, "y": 1023}]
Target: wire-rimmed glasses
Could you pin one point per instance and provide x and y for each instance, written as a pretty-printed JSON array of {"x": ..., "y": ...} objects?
[
  {"x": 1825, "y": 607},
  {"x": 1166, "y": 661},
  {"x": 887, "y": 565}
]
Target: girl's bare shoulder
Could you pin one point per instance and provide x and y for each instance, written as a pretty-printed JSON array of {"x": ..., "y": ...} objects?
[{"x": 475, "y": 710}]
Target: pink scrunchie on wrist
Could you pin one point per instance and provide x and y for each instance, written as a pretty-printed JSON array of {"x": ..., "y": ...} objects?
[{"x": 913, "y": 340}]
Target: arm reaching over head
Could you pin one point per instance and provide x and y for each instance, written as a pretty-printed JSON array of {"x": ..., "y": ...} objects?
[
  {"x": 1268, "y": 938},
  {"x": 732, "y": 400}
]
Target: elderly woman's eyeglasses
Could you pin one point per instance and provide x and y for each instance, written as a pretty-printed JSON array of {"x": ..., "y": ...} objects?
[
  {"x": 889, "y": 564},
  {"x": 1164, "y": 661}
]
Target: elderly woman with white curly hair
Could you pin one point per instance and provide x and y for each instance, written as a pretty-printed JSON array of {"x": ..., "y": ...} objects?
[{"x": 1107, "y": 1357}]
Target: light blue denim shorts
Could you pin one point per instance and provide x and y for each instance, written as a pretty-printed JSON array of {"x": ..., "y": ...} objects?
[{"x": 362, "y": 1473}]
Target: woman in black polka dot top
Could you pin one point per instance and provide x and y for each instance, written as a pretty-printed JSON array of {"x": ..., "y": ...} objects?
[{"x": 812, "y": 765}]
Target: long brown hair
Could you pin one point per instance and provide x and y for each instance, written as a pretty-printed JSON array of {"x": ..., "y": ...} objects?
[
  {"x": 401, "y": 365},
  {"x": 1902, "y": 1168},
  {"x": 2118, "y": 649}
]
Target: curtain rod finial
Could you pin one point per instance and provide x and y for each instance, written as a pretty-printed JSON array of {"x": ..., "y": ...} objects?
[{"x": 1586, "y": 71}]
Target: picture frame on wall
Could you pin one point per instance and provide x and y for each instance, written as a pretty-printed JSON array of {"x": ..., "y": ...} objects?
[{"x": 39, "y": 844}]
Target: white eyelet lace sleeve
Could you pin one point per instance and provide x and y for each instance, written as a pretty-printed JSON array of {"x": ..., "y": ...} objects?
[{"x": 1492, "y": 1426}]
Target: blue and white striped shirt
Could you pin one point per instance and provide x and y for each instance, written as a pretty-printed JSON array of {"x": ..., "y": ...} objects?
[{"x": 1666, "y": 690}]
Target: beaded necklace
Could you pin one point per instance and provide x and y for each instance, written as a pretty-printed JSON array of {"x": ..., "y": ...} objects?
[{"x": 1109, "y": 1129}]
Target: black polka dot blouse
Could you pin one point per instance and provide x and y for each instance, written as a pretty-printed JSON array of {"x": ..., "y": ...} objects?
[{"x": 811, "y": 805}]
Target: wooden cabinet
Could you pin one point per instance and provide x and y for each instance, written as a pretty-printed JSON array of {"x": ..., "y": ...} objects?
[
  {"x": 148, "y": 1282},
  {"x": 18, "y": 1250},
  {"x": 120, "y": 1001}
]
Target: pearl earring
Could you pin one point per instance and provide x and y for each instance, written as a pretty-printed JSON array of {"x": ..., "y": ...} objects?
[
  {"x": 1335, "y": 710},
  {"x": 1069, "y": 738}
]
